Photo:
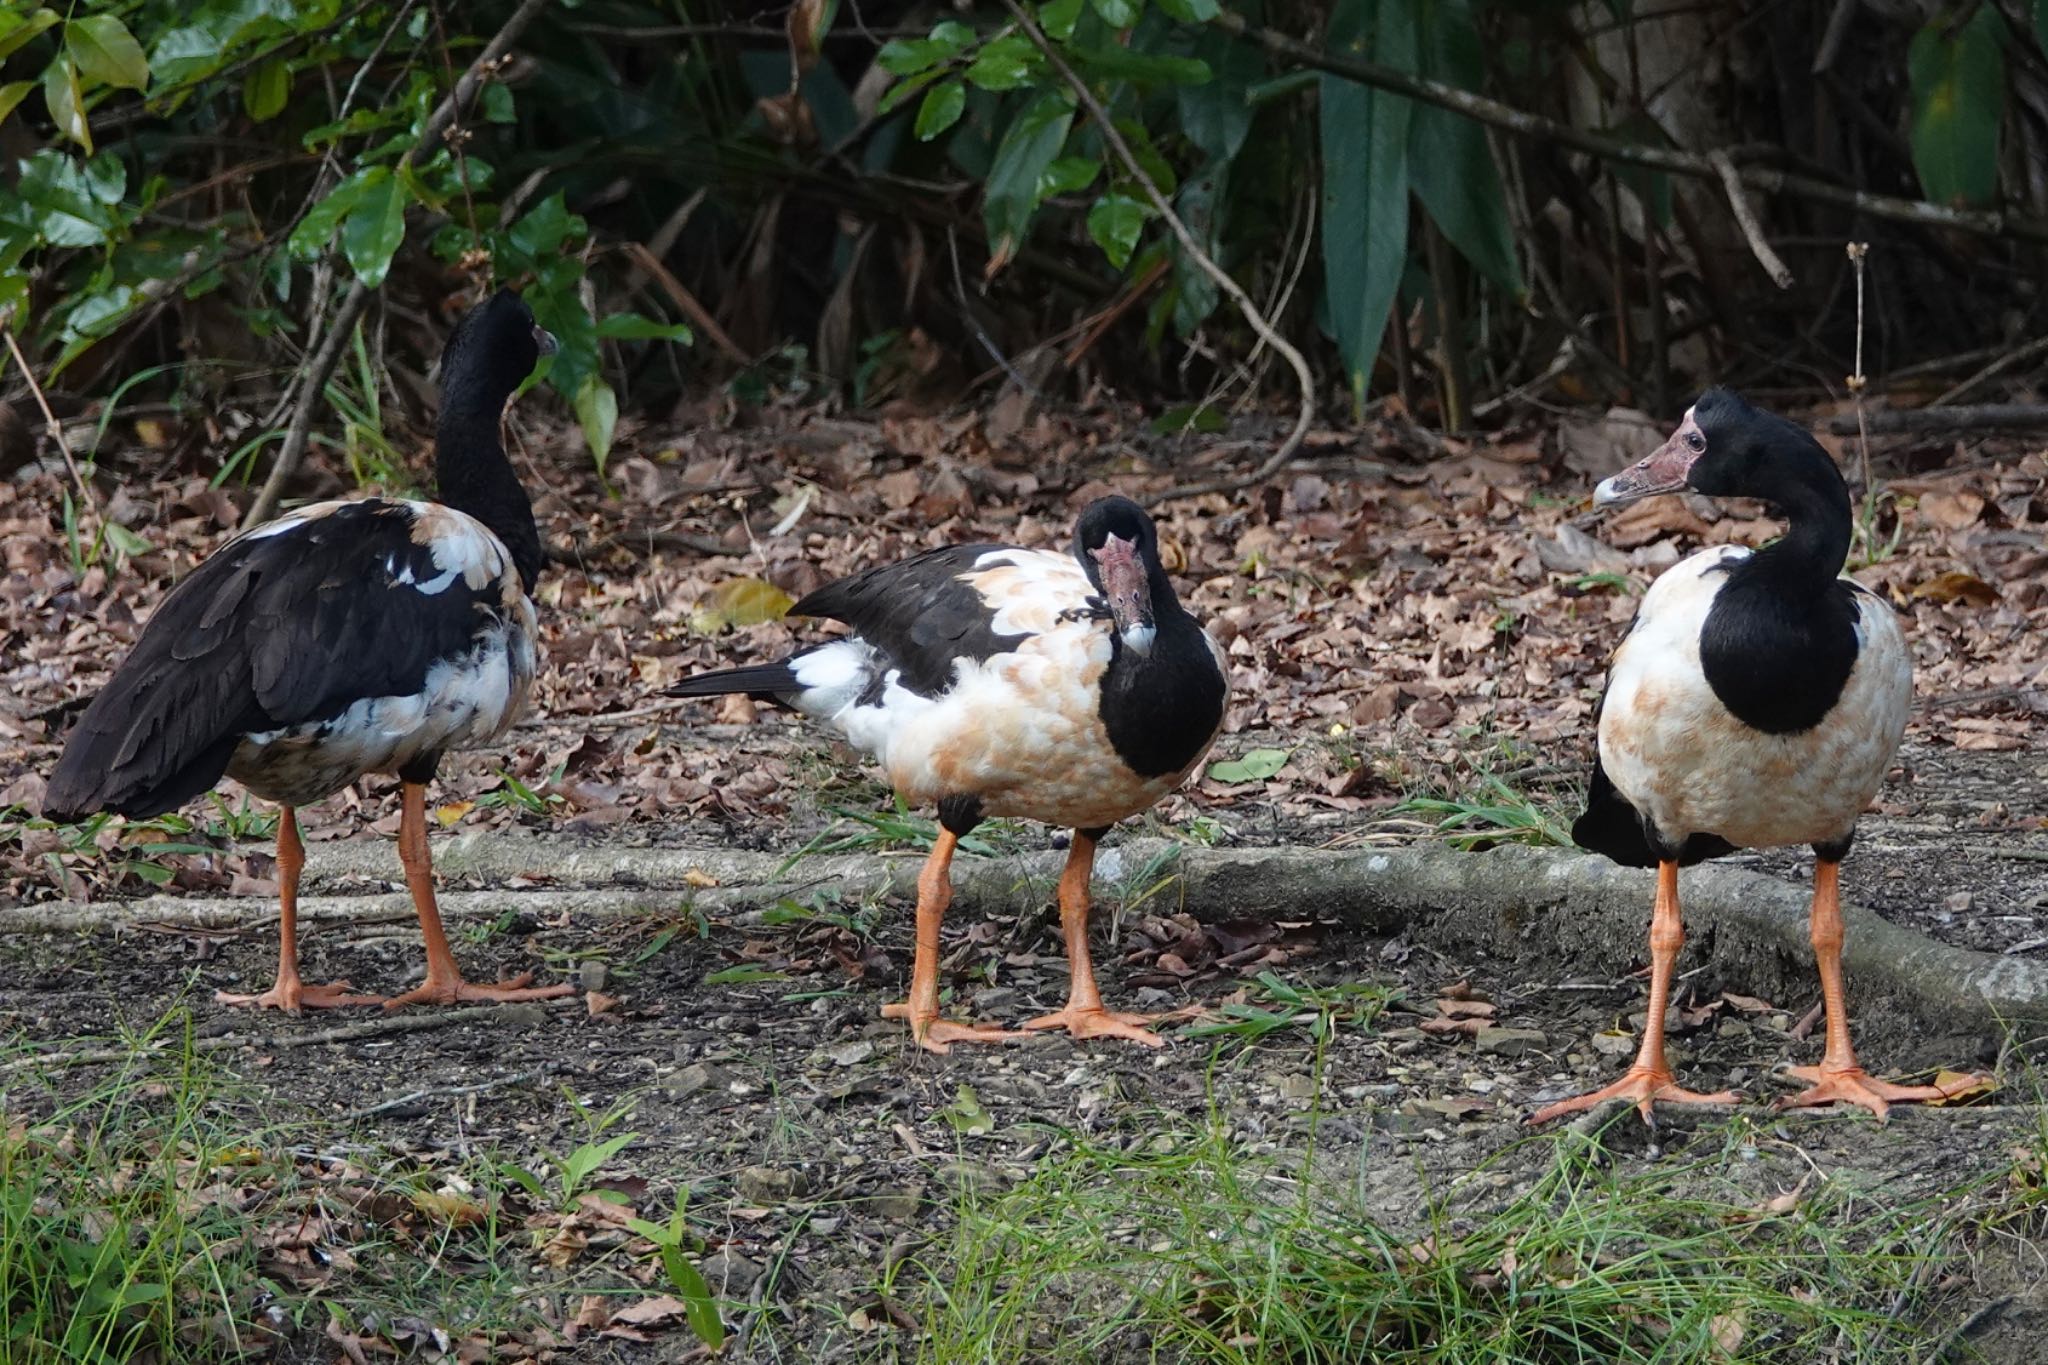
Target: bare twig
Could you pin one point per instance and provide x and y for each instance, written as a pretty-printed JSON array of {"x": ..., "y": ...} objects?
[
  {"x": 1676, "y": 162},
  {"x": 1745, "y": 218},
  {"x": 340, "y": 1033},
  {"x": 55, "y": 427},
  {"x": 1857, "y": 251},
  {"x": 314, "y": 381},
  {"x": 699, "y": 316},
  {"x": 311, "y": 385},
  {"x": 434, "y": 1092},
  {"x": 1968, "y": 417},
  {"x": 1107, "y": 129},
  {"x": 1997, "y": 366}
]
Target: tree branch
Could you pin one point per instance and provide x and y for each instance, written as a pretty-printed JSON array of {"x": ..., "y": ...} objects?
[
  {"x": 1670, "y": 160},
  {"x": 313, "y": 382},
  {"x": 1224, "y": 281}
]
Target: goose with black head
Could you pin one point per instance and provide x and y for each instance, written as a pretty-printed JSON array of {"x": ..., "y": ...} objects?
[
  {"x": 1757, "y": 702},
  {"x": 343, "y": 638},
  {"x": 998, "y": 681}
]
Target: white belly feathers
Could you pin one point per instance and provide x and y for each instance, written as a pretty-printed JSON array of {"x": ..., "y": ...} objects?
[
  {"x": 1021, "y": 729},
  {"x": 1755, "y": 789}
]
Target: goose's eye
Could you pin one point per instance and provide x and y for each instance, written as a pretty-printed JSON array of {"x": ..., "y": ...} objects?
[{"x": 1696, "y": 441}]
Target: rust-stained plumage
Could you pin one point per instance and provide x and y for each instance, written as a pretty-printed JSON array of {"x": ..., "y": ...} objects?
[{"x": 997, "y": 681}]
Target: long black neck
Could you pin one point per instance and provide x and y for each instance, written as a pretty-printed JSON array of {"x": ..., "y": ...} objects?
[
  {"x": 1780, "y": 641},
  {"x": 475, "y": 477},
  {"x": 1161, "y": 708}
]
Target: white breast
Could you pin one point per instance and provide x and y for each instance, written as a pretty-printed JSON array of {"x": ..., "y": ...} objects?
[{"x": 1677, "y": 754}]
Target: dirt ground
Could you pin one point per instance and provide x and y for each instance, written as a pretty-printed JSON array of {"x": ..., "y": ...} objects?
[{"x": 823, "y": 1150}]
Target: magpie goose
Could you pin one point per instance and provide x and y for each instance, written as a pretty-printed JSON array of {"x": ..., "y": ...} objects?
[
  {"x": 1756, "y": 702},
  {"x": 343, "y": 638},
  {"x": 996, "y": 681}
]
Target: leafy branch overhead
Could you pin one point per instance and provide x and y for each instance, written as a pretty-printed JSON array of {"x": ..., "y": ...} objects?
[
  {"x": 356, "y": 172},
  {"x": 1484, "y": 194}
]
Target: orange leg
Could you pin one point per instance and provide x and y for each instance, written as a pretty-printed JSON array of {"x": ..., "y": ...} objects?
[
  {"x": 934, "y": 894},
  {"x": 1650, "y": 1078},
  {"x": 1084, "y": 1016},
  {"x": 289, "y": 993},
  {"x": 1838, "y": 1079},
  {"x": 444, "y": 984}
]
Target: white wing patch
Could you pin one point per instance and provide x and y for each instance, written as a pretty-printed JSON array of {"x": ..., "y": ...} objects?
[{"x": 1021, "y": 729}]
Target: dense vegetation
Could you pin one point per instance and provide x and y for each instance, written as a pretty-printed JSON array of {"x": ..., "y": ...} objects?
[{"x": 895, "y": 199}]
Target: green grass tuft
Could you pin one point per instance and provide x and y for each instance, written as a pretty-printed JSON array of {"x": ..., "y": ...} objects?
[{"x": 1193, "y": 1249}]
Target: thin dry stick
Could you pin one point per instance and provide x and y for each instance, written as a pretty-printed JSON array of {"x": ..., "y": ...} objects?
[
  {"x": 314, "y": 383},
  {"x": 1224, "y": 281},
  {"x": 56, "y": 427},
  {"x": 1857, "y": 251},
  {"x": 1745, "y": 218},
  {"x": 341, "y": 1033},
  {"x": 1534, "y": 126}
]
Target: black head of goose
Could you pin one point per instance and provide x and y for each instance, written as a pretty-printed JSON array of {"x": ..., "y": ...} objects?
[
  {"x": 1757, "y": 701},
  {"x": 343, "y": 638},
  {"x": 992, "y": 680}
]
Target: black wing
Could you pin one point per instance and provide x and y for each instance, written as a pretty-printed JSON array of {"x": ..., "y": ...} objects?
[
  {"x": 917, "y": 613},
  {"x": 277, "y": 628}
]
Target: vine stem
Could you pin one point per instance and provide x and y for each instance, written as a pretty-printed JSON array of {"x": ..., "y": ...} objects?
[
  {"x": 56, "y": 428},
  {"x": 1224, "y": 280},
  {"x": 440, "y": 124}
]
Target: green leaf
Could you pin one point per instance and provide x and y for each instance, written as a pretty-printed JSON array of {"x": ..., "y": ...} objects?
[
  {"x": 1189, "y": 417},
  {"x": 1119, "y": 63},
  {"x": 1190, "y": 11},
  {"x": 1004, "y": 63},
  {"x": 1068, "y": 174},
  {"x": 544, "y": 228},
  {"x": 1114, "y": 223},
  {"x": 1365, "y": 182},
  {"x": 375, "y": 227},
  {"x": 267, "y": 89},
  {"x": 1014, "y": 178},
  {"x": 634, "y": 327},
  {"x": 316, "y": 229},
  {"x": 12, "y": 94},
  {"x": 1449, "y": 161},
  {"x": 900, "y": 93},
  {"x": 1058, "y": 18},
  {"x": 67, "y": 111},
  {"x": 17, "y": 29},
  {"x": 740, "y": 602},
  {"x": 106, "y": 52},
  {"x": 497, "y": 103},
  {"x": 597, "y": 408},
  {"x": 1254, "y": 765},
  {"x": 700, "y": 1309},
  {"x": 1216, "y": 115},
  {"x": 585, "y": 1160},
  {"x": 966, "y": 1114},
  {"x": 908, "y": 56},
  {"x": 1118, "y": 14},
  {"x": 942, "y": 107},
  {"x": 182, "y": 55},
  {"x": 1958, "y": 81}
]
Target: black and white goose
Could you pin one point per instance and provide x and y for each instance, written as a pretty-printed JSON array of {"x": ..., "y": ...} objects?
[
  {"x": 1006, "y": 682},
  {"x": 1757, "y": 702},
  {"x": 342, "y": 639}
]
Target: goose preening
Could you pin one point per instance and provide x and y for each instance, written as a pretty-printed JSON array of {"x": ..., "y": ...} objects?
[
  {"x": 995, "y": 681},
  {"x": 344, "y": 638},
  {"x": 1756, "y": 702}
]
